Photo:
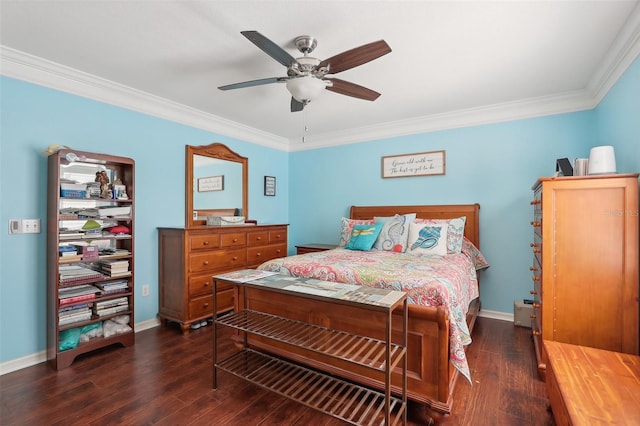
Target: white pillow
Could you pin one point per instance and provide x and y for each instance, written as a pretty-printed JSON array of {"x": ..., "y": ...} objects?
[
  {"x": 395, "y": 232},
  {"x": 427, "y": 239}
]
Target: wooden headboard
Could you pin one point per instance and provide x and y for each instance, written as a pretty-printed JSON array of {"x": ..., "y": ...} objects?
[{"x": 471, "y": 211}]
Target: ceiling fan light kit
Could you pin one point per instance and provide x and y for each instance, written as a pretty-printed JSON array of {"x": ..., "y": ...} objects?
[{"x": 305, "y": 78}]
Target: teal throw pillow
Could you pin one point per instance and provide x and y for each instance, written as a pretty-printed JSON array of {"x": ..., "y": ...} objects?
[{"x": 363, "y": 236}]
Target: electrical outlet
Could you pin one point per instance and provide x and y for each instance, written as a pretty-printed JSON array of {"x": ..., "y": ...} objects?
[
  {"x": 31, "y": 226},
  {"x": 145, "y": 290}
]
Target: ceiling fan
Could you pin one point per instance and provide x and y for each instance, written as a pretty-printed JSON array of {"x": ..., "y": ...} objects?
[{"x": 307, "y": 77}]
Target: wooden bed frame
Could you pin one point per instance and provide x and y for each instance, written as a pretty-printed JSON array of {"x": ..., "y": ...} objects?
[{"x": 430, "y": 375}]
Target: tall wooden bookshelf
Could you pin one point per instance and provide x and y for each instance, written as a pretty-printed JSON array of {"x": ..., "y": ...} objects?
[{"x": 90, "y": 254}]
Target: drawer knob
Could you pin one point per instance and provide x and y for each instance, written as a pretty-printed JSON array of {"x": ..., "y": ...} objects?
[
  {"x": 536, "y": 306},
  {"x": 532, "y": 316},
  {"x": 533, "y": 268},
  {"x": 534, "y": 202},
  {"x": 206, "y": 283},
  {"x": 533, "y": 245},
  {"x": 537, "y": 251},
  {"x": 258, "y": 254},
  {"x": 535, "y": 278},
  {"x": 536, "y": 223},
  {"x": 533, "y": 292},
  {"x": 235, "y": 240},
  {"x": 235, "y": 257},
  {"x": 278, "y": 251},
  {"x": 536, "y": 333},
  {"x": 205, "y": 305},
  {"x": 258, "y": 238},
  {"x": 206, "y": 262},
  {"x": 206, "y": 243}
]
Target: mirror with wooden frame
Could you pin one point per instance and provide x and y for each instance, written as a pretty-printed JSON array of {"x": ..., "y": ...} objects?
[{"x": 216, "y": 183}]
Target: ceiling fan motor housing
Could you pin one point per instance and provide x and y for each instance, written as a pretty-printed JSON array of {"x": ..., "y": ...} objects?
[{"x": 305, "y": 43}]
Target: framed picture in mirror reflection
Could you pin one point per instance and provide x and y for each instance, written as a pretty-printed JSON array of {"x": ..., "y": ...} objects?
[
  {"x": 211, "y": 183},
  {"x": 270, "y": 186}
]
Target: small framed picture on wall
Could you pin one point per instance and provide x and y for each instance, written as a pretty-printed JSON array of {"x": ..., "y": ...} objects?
[{"x": 270, "y": 186}]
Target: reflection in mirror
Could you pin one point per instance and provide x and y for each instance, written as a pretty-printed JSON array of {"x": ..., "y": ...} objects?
[
  {"x": 216, "y": 180},
  {"x": 218, "y": 183}
]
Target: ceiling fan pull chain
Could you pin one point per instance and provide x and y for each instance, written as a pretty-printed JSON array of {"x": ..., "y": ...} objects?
[{"x": 304, "y": 125}]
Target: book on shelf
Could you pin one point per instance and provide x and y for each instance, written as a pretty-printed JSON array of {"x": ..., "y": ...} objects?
[
  {"x": 112, "y": 310},
  {"x": 76, "y": 308},
  {"x": 75, "y": 312},
  {"x": 66, "y": 321},
  {"x": 113, "y": 285},
  {"x": 79, "y": 290},
  {"x": 110, "y": 307},
  {"x": 112, "y": 302},
  {"x": 71, "y": 259},
  {"x": 65, "y": 317},
  {"x": 116, "y": 211},
  {"x": 74, "y": 299},
  {"x": 72, "y": 273}
]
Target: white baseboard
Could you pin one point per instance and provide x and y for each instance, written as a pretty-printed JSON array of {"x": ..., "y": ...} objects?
[
  {"x": 503, "y": 316},
  {"x": 37, "y": 358}
]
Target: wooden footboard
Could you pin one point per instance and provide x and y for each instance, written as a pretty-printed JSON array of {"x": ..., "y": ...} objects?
[{"x": 430, "y": 375}]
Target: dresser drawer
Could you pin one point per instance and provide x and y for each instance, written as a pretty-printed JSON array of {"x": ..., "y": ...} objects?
[
  {"x": 218, "y": 259},
  {"x": 257, "y": 255},
  {"x": 278, "y": 236},
  {"x": 257, "y": 238},
  {"x": 201, "y": 306},
  {"x": 200, "y": 285},
  {"x": 236, "y": 239},
  {"x": 204, "y": 242}
]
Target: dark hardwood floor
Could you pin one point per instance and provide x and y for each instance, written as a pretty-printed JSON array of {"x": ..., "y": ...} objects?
[{"x": 165, "y": 379}]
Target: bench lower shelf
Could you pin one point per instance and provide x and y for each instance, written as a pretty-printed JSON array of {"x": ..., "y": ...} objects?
[{"x": 339, "y": 398}]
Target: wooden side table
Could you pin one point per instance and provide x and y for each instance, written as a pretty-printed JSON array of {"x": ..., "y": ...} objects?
[
  {"x": 309, "y": 248},
  {"x": 588, "y": 386}
]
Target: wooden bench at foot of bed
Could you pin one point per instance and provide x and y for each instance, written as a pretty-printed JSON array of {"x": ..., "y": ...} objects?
[{"x": 430, "y": 375}]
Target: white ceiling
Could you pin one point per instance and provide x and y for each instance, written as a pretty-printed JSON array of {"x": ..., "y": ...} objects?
[{"x": 453, "y": 63}]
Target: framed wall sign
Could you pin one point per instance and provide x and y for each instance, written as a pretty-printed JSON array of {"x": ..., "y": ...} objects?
[
  {"x": 418, "y": 164},
  {"x": 270, "y": 186},
  {"x": 211, "y": 183}
]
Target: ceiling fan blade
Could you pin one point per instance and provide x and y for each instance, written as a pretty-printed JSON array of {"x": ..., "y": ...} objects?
[
  {"x": 269, "y": 47},
  {"x": 355, "y": 57},
  {"x": 253, "y": 83},
  {"x": 351, "y": 89},
  {"x": 296, "y": 105}
]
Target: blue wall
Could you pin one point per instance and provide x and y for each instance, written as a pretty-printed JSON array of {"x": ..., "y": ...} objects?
[
  {"x": 494, "y": 165},
  {"x": 34, "y": 117}
]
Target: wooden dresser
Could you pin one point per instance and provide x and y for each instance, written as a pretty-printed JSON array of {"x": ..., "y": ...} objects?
[
  {"x": 585, "y": 263},
  {"x": 189, "y": 257}
]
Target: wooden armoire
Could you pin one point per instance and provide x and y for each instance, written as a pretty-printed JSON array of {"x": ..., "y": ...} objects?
[{"x": 585, "y": 263}]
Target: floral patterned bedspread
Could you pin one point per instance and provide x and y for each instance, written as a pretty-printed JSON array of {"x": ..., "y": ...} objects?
[{"x": 428, "y": 280}]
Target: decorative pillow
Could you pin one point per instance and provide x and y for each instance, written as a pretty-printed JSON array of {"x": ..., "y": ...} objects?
[
  {"x": 347, "y": 226},
  {"x": 427, "y": 239},
  {"x": 394, "y": 233},
  {"x": 455, "y": 231},
  {"x": 474, "y": 254},
  {"x": 363, "y": 236}
]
